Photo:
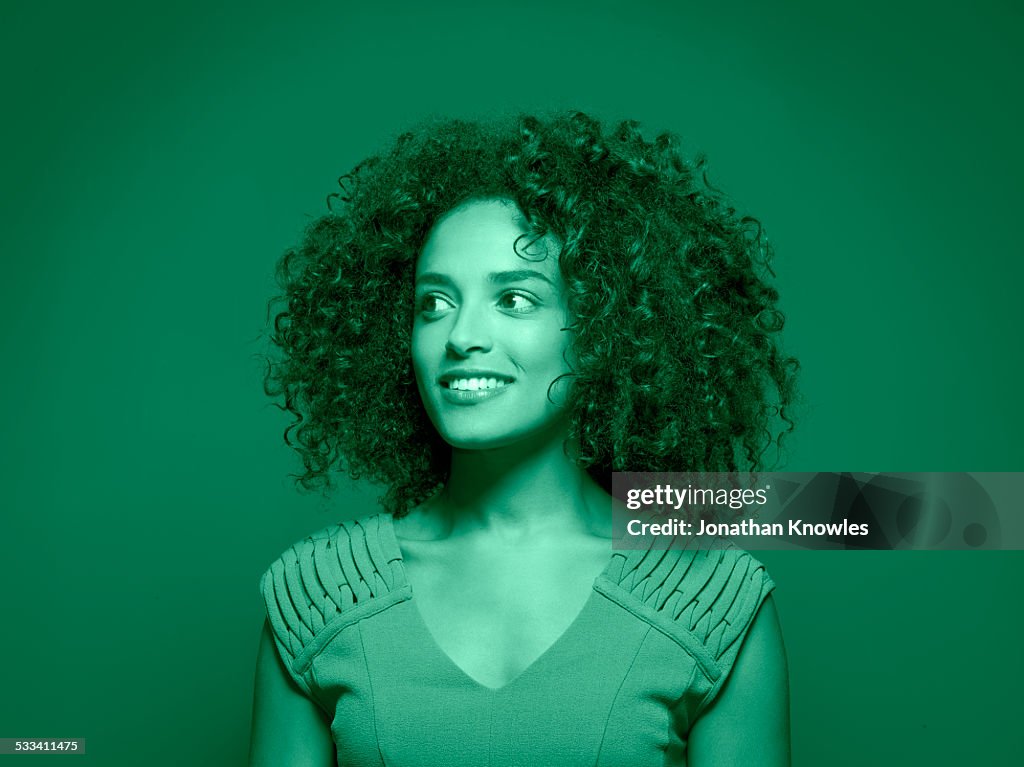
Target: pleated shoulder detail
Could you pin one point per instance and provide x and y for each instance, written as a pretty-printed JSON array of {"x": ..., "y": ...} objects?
[
  {"x": 706, "y": 599},
  {"x": 334, "y": 576}
]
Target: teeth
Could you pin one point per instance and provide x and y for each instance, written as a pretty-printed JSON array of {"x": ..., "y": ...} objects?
[{"x": 475, "y": 384}]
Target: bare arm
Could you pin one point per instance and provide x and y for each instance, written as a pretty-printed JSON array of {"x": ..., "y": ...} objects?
[
  {"x": 287, "y": 727},
  {"x": 748, "y": 723}
]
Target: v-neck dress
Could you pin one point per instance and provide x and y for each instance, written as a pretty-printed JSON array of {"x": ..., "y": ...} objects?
[{"x": 648, "y": 652}]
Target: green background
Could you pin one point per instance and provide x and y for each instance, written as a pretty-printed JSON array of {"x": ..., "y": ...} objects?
[{"x": 158, "y": 160}]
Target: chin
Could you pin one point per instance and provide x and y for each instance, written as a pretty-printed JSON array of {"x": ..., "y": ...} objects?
[{"x": 478, "y": 441}]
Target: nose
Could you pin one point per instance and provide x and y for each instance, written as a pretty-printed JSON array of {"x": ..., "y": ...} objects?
[{"x": 469, "y": 333}]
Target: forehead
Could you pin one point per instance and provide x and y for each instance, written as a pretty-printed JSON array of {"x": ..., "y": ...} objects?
[{"x": 479, "y": 237}]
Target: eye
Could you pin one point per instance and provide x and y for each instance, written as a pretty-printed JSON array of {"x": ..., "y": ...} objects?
[
  {"x": 517, "y": 301},
  {"x": 434, "y": 305}
]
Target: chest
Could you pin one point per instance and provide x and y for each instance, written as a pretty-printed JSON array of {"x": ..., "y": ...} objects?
[{"x": 494, "y": 616}]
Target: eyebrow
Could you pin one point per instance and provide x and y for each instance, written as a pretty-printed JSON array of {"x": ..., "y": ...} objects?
[{"x": 496, "y": 278}]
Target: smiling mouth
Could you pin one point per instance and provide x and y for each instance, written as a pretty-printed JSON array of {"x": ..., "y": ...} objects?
[
  {"x": 474, "y": 391},
  {"x": 476, "y": 384}
]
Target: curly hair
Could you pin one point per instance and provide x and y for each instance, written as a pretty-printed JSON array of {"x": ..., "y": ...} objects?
[{"x": 674, "y": 331}]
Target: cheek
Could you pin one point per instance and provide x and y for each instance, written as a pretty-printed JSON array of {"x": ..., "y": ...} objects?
[
  {"x": 421, "y": 369},
  {"x": 564, "y": 358},
  {"x": 427, "y": 352},
  {"x": 418, "y": 349},
  {"x": 545, "y": 347},
  {"x": 565, "y": 345}
]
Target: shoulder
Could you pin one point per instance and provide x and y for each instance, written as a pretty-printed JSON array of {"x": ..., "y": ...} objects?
[
  {"x": 704, "y": 599},
  {"x": 339, "y": 572},
  {"x": 756, "y": 693}
]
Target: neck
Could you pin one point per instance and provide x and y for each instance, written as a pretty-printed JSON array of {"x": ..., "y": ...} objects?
[{"x": 531, "y": 487}]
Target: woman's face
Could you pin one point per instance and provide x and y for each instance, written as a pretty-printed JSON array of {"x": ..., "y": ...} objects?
[{"x": 489, "y": 332}]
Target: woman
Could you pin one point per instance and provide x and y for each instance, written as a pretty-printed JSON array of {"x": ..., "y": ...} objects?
[{"x": 492, "y": 319}]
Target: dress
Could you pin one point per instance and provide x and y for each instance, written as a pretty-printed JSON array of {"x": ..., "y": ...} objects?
[{"x": 648, "y": 652}]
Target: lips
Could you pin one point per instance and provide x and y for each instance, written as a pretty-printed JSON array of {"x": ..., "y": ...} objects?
[
  {"x": 474, "y": 380},
  {"x": 471, "y": 387},
  {"x": 475, "y": 384}
]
